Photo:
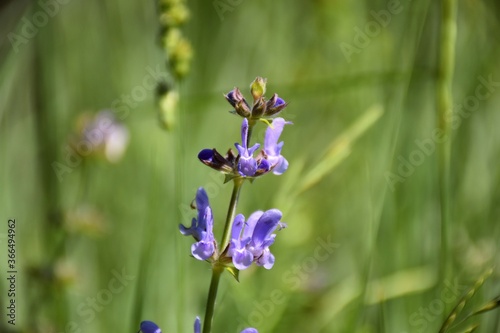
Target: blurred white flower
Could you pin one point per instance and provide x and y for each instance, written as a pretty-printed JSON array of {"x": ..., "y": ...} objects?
[{"x": 106, "y": 135}]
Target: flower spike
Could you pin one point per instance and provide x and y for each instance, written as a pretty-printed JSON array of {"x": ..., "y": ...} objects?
[{"x": 201, "y": 228}]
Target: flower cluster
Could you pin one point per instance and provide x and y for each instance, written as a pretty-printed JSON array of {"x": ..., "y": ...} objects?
[
  {"x": 250, "y": 240},
  {"x": 260, "y": 108},
  {"x": 201, "y": 228},
  {"x": 150, "y": 327},
  {"x": 245, "y": 164},
  {"x": 244, "y": 241}
]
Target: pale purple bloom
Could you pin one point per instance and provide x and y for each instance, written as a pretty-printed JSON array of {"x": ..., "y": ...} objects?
[
  {"x": 197, "y": 327},
  {"x": 149, "y": 327},
  {"x": 105, "y": 133},
  {"x": 272, "y": 148},
  {"x": 250, "y": 241},
  {"x": 247, "y": 166},
  {"x": 201, "y": 228}
]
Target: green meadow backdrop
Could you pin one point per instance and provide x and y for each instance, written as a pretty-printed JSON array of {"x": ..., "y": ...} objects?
[{"x": 367, "y": 248}]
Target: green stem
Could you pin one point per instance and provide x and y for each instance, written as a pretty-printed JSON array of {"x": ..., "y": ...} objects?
[
  {"x": 212, "y": 295},
  {"x": 231, "y": 213},
  {"x": 444, "y": 110}
]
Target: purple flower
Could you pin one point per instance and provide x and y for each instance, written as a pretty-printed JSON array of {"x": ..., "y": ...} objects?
[
  {"x": 247, "y": 165},
  {"x": 201, "y": 228},
  {"x": 273, "y": 149},
  {"x": 197, "y": 327},
  {"x": 149, "y": 327},
  {"x": 250, "y": 241}
]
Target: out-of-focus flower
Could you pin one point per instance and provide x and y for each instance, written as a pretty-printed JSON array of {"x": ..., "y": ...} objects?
[
  {"x": 149, "y": 327},
  {"x": 86, "y": 220},
  {"x": 250, "y": 240},
  {"x": 102, "y": 135},
  {"x": 201, "y": 228}
]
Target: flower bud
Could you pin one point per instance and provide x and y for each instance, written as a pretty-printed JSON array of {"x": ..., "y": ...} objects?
[
  {"x": 258, "y": 88},
  {"x": 238, "y": 102},
  {"x": 275, "y": 105},
  {"x": 259, "y": 108}
]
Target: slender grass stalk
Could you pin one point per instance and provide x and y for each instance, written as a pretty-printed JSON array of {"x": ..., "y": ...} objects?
[
  {"x": 444, "y": 112},
  {"x": 52, "y": 299}
]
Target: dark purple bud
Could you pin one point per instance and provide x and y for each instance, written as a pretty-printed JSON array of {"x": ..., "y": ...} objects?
[
  {"x": 234, "y": 96},
  {"x": 213, "y": 159},
  {"x": 275, "y": 105},
  {"x": 149, "y": 327},
  {"x": 238, "y": 102},
  {"x": 259, "y": 108}
]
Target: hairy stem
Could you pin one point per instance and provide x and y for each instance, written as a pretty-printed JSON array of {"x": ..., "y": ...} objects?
[
  {"x": 231, "y": 213},
  {"x": 212, "y": 295}
]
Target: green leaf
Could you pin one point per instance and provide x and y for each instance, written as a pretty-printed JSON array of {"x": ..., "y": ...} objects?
[{"x": 234, "y": 272}]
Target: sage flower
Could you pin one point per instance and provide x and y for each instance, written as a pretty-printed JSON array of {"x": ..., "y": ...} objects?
[
  {"x": 201, "y": 228},
  {"x": 250, "y": 240}
]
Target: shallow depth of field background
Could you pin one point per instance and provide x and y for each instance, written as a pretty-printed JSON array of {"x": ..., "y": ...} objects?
[{"x": 364, "y": 114}]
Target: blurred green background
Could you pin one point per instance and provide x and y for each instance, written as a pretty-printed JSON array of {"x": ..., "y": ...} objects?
[{"x": 361, "y": 89}]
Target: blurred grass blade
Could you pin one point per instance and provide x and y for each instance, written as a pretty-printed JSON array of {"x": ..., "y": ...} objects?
[
  {"x": 399, "y": 284},
  {"x": 471, "y": 328},
  {"x": 491, "y": 305},
  {"x": 340, "y": 148},
  {"x": 463, "y": 301}
]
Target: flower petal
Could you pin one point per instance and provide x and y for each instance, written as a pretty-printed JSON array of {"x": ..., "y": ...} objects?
[
  {"x": 202, "y": 250},
  {"x": 247, "y": 166},
  {"x": 273, "y": 132},
  {"x": 244, "y": 133},
  {"x": 250, "y": 225},
  {"x": 242, "y": 259},
  {"x": 266, "y": 259},
  {"x": 238, "y": 223},
  {"x": 281, "y": 166},
  {"x": 266, "y": 224},
  {"x": 197, "y": 325}
]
